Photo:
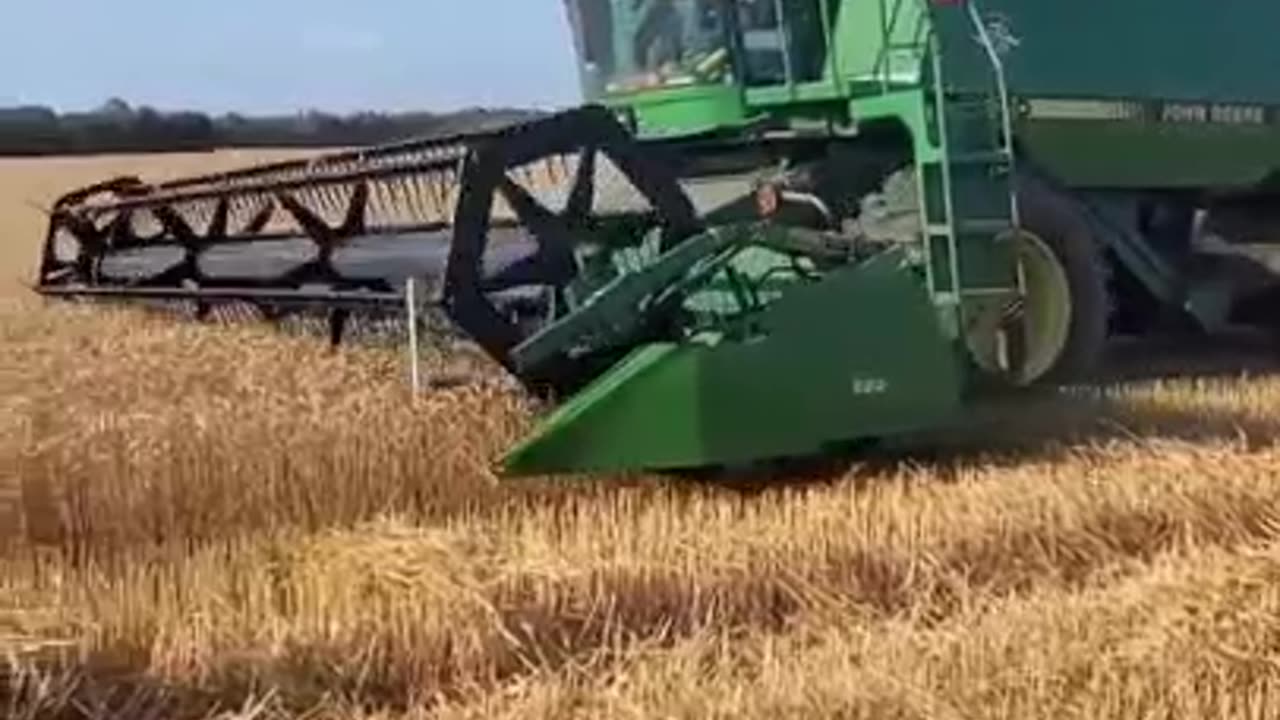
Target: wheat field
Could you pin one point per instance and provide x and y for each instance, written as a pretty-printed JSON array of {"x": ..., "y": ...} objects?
[{"x": 226, "y": 522}]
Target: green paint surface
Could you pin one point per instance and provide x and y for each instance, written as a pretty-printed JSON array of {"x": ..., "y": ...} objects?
[
  {"x": 1221, "y": 51},
  {"x": 1215, "y": 57},
  {"x": 876, "y": 364},
  {"x": 683, "y": 111}
]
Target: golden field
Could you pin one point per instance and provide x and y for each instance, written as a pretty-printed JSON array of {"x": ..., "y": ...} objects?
[{"x": 224, "y": 522}]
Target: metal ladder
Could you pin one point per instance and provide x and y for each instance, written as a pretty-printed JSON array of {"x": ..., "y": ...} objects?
[{"x": 965, "y": 171}]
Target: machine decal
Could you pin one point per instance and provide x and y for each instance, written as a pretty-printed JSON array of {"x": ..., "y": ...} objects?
[
  {"x": 1000, "y": 31},
  {"x": 869, "y": 386},
  {"x": 1159, "y": 111}
]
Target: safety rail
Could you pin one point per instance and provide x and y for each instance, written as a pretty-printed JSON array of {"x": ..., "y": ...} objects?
[
  {"x": 1002, "y": 94},
  {"x": 924, "y": 43}
]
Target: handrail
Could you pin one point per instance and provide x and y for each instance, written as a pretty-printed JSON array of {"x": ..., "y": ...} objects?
[
  {"x": 1002, "y": 89},
  {"x": 889, "y": 24},
  {"x": 928, "y": 47}
]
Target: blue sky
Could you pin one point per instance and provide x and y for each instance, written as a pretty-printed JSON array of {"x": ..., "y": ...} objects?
[{"x": 257, "y": 56}]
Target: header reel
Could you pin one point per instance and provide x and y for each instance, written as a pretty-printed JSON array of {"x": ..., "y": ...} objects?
[{"x": 603, "y": 195}]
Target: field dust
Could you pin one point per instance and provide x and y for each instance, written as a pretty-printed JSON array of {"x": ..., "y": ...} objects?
[{"x": 228, "y": 522}]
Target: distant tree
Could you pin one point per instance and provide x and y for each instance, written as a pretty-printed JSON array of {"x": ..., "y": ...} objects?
[
  {"x": 117, "y": 126},
  {"x": 30, "y": 130},
  {"x": 146, "y": 131},
  {"x": 192, "y": 131},
  {"x": 116, "y": 108}
]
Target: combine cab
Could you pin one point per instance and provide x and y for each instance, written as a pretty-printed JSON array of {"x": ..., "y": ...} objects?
[{"x": 778, "y": 226}]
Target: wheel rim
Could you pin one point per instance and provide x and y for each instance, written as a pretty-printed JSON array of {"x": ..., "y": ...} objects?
[{"x": 1045, "y": 313}]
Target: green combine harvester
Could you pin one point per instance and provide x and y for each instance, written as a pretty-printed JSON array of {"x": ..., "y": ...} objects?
[{"x": 777, "y": 227}]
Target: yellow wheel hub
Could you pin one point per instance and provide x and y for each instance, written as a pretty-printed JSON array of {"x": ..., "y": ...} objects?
[{"x": 1045, "y": 313}]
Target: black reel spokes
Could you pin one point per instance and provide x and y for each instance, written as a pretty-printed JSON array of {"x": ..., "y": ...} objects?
[
  {"x": 555, "y": 234},
  {"x": 518, "y": 174},
  {"x": 514, "y": 224}
]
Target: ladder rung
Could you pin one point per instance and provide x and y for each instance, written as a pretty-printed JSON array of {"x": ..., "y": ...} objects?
[
  {"x": 950, "y": 298},
  {"x": 982, "y": 157},
  {"x": 978, "y": 103},
  {"x": 983, "y": 226},
  {"x": 988, "y": 291},
  {"x": 976, "y": 227}
]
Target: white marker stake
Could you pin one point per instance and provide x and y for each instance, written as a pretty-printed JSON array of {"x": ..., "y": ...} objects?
[{"x": 411, "y": 307}]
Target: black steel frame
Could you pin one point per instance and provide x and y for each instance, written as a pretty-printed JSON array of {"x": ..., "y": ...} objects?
[
  {"x": 446, "y": 185},
  {"x": 200, "y": 213}
]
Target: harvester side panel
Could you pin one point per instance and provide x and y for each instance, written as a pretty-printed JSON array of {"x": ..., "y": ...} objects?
[
  {"x": 1137, "y": 94},
  {"x": 803, "y": 386},
  {"x": 1191, "y": 50}
]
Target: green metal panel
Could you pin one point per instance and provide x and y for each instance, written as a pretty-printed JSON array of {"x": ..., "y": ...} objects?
[
  {"x": 908, "y": 107},
  {"x": 1143, "y": 93},
  {"x": 1219, "y": 51},
  {"x": 861, "y": 30},
  {"x": 1138, "y": 153},
  {"x": 881, "y": 366},
  {"x": 684, "y": 111},
  {"x": 775, "y": 95}
]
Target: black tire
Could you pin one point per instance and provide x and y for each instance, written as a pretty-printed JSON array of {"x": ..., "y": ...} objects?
[{"x": 1057, "y": 220}]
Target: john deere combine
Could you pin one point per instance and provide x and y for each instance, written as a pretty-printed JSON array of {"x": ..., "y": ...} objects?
[{"x": 778, "y": 225}]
